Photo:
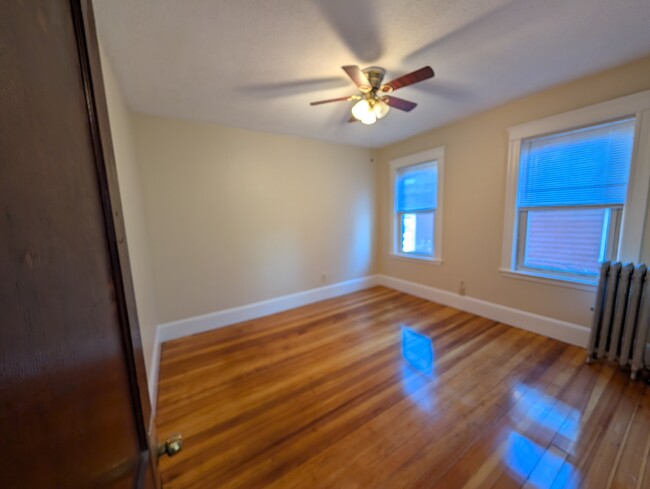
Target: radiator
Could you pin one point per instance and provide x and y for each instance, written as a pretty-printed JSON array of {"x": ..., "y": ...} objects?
[{"x": 621, "y": 316}]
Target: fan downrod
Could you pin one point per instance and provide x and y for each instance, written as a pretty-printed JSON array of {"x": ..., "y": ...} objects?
[{"x": 375, "y": 76}]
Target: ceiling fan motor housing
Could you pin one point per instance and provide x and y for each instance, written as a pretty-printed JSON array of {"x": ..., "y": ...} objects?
[{"x": 375, "y": 75}]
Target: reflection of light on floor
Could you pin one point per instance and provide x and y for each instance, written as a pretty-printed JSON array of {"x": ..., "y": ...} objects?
[
  {"x": 414, "y": 385},
  {"x": 564, "y": 478},
  {"x": 546, "y": 411},
  {"x": 418, "y": 368},
  {"x": 417, "y": 350},
  {"x": 521, "y": 455},
  {"x": 541, "y": 468}
]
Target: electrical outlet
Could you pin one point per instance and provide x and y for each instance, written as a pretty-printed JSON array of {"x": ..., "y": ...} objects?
[{"x": 461, "y": 289}]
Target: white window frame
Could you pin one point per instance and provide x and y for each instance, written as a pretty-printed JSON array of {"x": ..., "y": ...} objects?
[
  {"x": 634, "y": 211},
  {"x": 437, "y": 157}
]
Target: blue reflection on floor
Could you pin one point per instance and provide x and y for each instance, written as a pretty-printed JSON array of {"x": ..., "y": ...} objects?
[
  {"x": 546, "y": 411},
  {"x": 418, "y": 368},
  {"x": 418, "y": 388},
  {"x": 522, "y": 455},
  {"x": 417, "y": 350},
  {"x": 564, "y": 478},
  {"x": 540, "y": 467}
]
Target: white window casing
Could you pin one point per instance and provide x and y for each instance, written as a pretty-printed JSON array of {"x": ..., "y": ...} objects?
[
  {"x": 631, "y": 222},
  {"x": 436, "y": 157}
]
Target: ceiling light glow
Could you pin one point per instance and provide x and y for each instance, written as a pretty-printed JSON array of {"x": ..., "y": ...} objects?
[
  {"x": 381, "y": 108},
  {"x": 361, "y": 109},
  {"x": 369, "y": 118},
  {"x": 369, "y": 111}
]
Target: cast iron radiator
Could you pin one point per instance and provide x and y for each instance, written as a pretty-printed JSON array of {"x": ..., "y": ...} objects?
[{"x": 621, "y": 315}]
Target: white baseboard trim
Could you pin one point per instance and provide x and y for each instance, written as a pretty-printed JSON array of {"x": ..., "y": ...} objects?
[
  {"x": 566, "y": 332},
  {"x": 226, "y": 317},
  {"x": 214, "y": 320}
]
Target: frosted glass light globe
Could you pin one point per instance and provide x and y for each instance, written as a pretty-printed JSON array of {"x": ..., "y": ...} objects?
[
  {"x": 369, "y": 118},
  {"x": 381, "y": 108},
  {"x": 361, "y": 109}
]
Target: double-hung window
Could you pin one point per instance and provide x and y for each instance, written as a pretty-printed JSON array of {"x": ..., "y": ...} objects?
[
  {"x": 417, "y": 210},
  {"x": 571, "y": 193}
]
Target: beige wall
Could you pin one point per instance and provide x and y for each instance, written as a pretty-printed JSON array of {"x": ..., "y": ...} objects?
[
  {"x": 474, "y": 197},
  {"x": 238, "y": 216},
  {"x": 133, "y": 209}
]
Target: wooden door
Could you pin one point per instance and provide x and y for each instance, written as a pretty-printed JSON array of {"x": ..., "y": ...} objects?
[{"x": 73, "y": 404}]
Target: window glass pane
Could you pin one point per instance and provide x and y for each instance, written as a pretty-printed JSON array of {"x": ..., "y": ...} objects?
[
  {"x": 587, "y": 166},
  {"x": 570, "y": 240},
  {"x": 417, "y": 188},
  {"x": 417, "y": 233}
]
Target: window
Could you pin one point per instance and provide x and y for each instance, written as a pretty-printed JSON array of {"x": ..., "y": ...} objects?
[
  {"x": 570, "y": 191},
  {"x": 416, "y": 207},
  {"x": 417, "y": 210},
  {"x": 571, "y": 195}
]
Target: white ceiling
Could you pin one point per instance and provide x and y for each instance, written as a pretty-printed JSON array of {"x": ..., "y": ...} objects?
[{"x": 256, "y": 64}]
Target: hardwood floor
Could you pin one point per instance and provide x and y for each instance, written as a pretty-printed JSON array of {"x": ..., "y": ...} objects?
[{"x": 321, "y": 396}]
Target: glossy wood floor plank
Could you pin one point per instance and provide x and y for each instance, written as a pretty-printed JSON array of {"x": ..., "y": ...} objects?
[{"x": 321, "y": 396}]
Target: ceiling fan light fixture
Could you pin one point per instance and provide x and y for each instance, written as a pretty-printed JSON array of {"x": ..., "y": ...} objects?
[
  {"x": 381, "y": 108},
  {"x": 373, "y": 101},
  {"x": 365, "y": 110},
  {"x": 369, "y": 118},
  {"x": 361, "y": 109}
]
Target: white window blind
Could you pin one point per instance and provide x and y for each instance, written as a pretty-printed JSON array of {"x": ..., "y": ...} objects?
[
  {"x": 587, "y": 166},
  {"x": 570, "y": 239},
  {"x": 417, "y": 188}
]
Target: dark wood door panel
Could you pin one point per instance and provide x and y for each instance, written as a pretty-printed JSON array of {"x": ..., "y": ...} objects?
[{"x": 66, "y": 392}]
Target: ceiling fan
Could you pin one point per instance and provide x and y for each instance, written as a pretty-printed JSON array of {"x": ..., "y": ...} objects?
[{"x": 376, "y": 98}]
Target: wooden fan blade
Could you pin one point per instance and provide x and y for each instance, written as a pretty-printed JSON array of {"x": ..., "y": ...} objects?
[
  {"x": 353, "y": 119},
  {"x": 411, "y": 78},
  {"x": 358, "y": 77},
  {"x": 400, "y": 103},
  {"x": 340, "y": 99}
]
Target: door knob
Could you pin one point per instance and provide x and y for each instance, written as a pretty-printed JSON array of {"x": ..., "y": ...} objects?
[{"x": 171, "y": 447}]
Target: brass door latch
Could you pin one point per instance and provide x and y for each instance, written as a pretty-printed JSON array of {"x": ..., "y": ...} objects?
[{"x": 171, "y": 447}]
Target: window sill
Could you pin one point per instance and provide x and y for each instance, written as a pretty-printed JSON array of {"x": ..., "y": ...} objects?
[
  {"x": 541, "y": 278},
  {"x": 426, "y": 260}
]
